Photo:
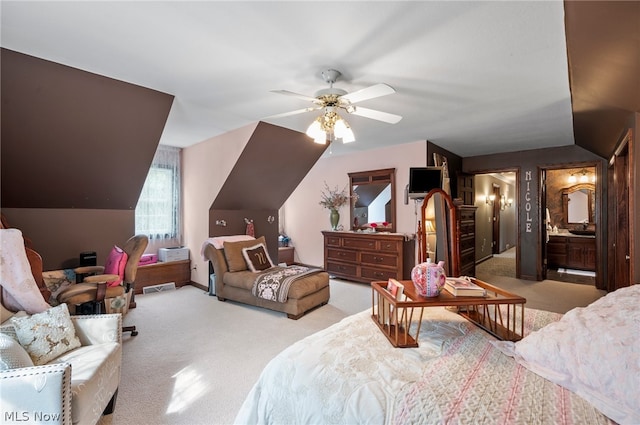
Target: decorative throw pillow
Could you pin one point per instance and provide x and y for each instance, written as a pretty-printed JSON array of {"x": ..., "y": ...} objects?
[
  {"x": 46, "y": 335},
  {"x": 12, "y": 355},
  {"x": 257, "y": 258},
  {"x": 233, "y": 253},
  {"x": 116, "y": 262}
]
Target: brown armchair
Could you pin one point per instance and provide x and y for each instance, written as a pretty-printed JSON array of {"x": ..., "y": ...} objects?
[{"x": 94, "y": 288}]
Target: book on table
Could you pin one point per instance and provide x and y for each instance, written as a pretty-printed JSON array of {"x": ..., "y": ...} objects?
[
  {"x": 396, "y": 289},
  {"x": 461, "y": 287}
]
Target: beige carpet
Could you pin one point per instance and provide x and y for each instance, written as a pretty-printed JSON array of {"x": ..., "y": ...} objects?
[{"x": 196, "y": 358}]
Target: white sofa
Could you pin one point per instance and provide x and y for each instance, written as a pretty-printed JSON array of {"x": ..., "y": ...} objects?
[{"x": 77, "y": 387}]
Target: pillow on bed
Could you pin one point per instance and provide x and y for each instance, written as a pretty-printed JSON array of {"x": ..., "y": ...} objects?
[
  {"x": 257, "y": 257},
  {"x": 594, "y": 352},
  {"x": 233, "y": 253}
]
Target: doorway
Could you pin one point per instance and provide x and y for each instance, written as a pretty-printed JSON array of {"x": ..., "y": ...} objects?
[
  {"x": 496, "y": 224},
  {"x": 570, "y": 227}
]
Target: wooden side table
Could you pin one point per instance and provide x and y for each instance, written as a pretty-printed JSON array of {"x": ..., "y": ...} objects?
[{"x": 286, "y": 254}]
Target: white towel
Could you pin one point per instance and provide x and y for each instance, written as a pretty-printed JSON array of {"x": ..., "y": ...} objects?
[{"x": 218, "y": 242}]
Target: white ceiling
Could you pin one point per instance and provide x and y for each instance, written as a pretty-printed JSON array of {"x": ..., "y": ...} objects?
[{"x": 473, "y": 77}]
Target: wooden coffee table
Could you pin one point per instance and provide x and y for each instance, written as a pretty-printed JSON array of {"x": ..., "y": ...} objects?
[{"x": 495, "y": 313}]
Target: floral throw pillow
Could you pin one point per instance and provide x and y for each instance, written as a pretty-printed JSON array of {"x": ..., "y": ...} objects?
[{"x": 46, "y": 335}]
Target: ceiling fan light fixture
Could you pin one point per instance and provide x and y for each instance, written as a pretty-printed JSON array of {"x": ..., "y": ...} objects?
[
  {"x": 340, "y": 127},
  {"x": 314, "y": 129},
  {"x": 348, "y": 137}
]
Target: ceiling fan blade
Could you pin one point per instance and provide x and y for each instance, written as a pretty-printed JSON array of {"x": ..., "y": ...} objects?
[
  {"x": 377, "y": 90},
  {"x": 296, "y": 112},
  {"x": 299, "y": 96},
  {"x": 377, "y": 115}
]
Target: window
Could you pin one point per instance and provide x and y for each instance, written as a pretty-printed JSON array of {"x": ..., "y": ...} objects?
[{"x": 158, "y": 209}]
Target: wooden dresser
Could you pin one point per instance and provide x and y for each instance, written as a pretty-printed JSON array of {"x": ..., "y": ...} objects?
[
  {"x": 466, "y": 218},
  {"x": 365, "y": 257}
]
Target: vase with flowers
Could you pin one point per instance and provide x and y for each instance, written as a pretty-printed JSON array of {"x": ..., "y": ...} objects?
[{"x": 333, "y": 199}]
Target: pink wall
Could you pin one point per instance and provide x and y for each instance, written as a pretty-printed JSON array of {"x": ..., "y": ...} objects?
[{"x": 304, "y": 218}]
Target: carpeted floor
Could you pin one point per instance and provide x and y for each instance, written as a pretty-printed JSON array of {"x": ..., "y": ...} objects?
[
  {"x": 504, "y": 264},
  {"x": 497, "y": 266}
]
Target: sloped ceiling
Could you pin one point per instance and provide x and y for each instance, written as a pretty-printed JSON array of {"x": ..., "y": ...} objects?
[
  {"x": 272, "y": 164},
  {"x": 603, "y": 44},
  {"x": 73, "y": 139}
]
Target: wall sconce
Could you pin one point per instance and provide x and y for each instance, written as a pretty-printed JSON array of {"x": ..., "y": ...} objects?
[
  {"x": 509, "y": 202},
  {"x": 489, "y": 199},
  {"x": 221, "y": 223}
]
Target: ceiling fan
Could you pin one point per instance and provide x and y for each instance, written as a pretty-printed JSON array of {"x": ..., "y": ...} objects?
[{"x": 330, "y": 124}]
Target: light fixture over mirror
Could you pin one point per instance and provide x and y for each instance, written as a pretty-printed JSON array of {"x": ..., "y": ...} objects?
[{"x": 582, "y": 176}]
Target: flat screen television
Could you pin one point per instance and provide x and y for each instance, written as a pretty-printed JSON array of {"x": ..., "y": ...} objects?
[{"x": 424, "y": 179}]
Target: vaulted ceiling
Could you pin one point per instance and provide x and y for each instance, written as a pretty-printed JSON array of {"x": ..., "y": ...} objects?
[{"x": 473, "y": 77}]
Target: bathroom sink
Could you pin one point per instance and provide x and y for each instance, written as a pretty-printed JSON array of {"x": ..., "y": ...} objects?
[{"x": 583, "y": 232}]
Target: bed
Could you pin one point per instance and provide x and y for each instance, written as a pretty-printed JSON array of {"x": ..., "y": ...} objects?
[{"x": 580, "y": 368}]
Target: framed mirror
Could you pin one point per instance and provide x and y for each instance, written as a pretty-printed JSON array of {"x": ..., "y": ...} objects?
[
  {"x": 578, "y": 204},
  {"x": 438, "y": 233},
  {"x": 375, "y": 207}
]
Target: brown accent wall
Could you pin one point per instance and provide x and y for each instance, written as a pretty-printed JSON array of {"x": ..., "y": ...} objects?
[
  {"x": 60, "y": 235},
  {"x": 76, "y": 149},
  {"x": 529, "y": 164},
  {"x": 272, "y": 164},
  {"x": 604, "y": 64},
  {"x": 454, "y": 165}
]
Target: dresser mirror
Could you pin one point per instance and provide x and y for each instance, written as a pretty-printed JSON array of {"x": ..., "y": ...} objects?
[
  {"x": 375, "y": 206},
  {"x": 438, "y": 234},
  {"x": 578, "y": 204}
]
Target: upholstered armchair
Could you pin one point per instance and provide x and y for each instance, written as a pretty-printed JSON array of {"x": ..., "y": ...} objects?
[
  {"x": 54, "y": 368},
  {"x": 116, "y": 278}
]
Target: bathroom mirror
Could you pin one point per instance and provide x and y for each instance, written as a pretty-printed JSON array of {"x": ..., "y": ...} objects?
[
  {"x": 578, "y": 204},
  {"x": 438, "y": 239},
  {"x": 375, "y": 207}
]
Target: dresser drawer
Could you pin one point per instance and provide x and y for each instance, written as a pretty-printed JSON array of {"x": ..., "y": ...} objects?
[
  {"x": 378, "y": 274},
  {"x": 341, "y": 254},
  {"x": 359, "y": 243},
  {"x": 390, "y": 246},
  {"x": 349, "y": 269},
  {"x": 332, "y": 240},
  {"x": 379, "y": 259}
]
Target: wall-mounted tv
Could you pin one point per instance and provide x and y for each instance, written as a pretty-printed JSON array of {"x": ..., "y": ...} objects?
[{"x": 424, "y": 179}]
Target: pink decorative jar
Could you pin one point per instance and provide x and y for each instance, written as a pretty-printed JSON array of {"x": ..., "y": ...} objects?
[{"x": 428, "y": 278}]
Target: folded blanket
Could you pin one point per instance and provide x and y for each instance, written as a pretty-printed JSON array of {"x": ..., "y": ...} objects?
[
  {"x": 218, "y": 242},
  {"x": 19, "y": 289},
  {"x": 274, "y": 284}
]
